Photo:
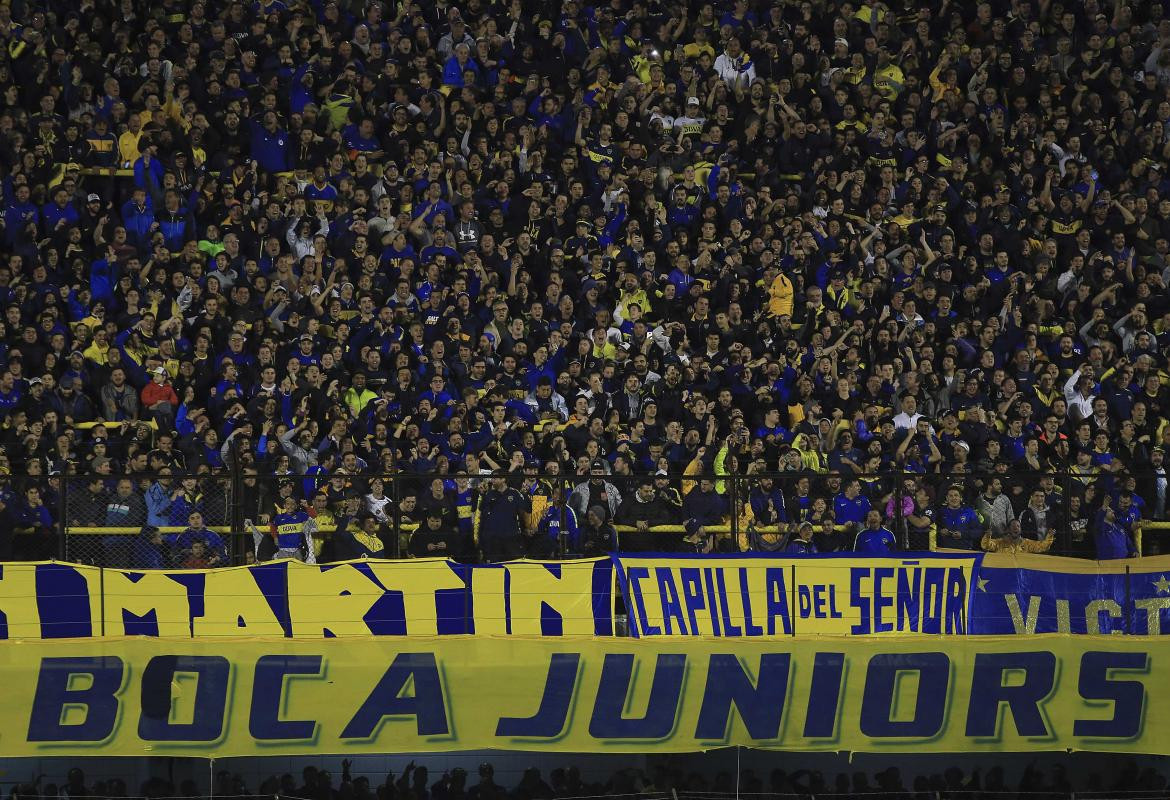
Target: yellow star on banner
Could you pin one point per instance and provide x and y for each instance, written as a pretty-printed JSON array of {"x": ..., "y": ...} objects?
[
  {"x": 1162, "y": 585},
  {"x": 982, "y": 583}
]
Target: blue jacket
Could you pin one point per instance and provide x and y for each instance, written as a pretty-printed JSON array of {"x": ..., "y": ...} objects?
[
  {"x": 29, "y": 517},
  {"x": 158, "y": 503},
  {"x": 183, "y": 506},
  {"x": 103, "y": 277},
  {"x": 51, "y": 214},
  {"x": 270, "y": 149},
  {"x": 846, "y": 511},
  {"x": 298, "y": 95},
  {"x": 16, "y": 217},
  {"x": 706, "y": 508},
  {"x": 211, "y": 540},
  {"x": 761, "y": 510},
  {"x": 875, "y": 542},
  {"x": 550, "y": 526},
  {"x": 499, "y": 514},
  {"x": 965, "y": 521},
  {"x": 453, "y": 72},
  {"x": 682, "y": 216},
  {"x": 177, "y": 228},
  {"x": 145, "y": 555},
  {"x": 138, "y": 221},
  {"x": 1113, "y": 541},
  {"x": 150, "y": 177}
]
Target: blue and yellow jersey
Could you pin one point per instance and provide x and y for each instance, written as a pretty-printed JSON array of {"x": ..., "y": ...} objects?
[
  {"x": 290, "y": 530},
  {"x": 102, "y": 149},
  {"x": 600, "y": 153},
  {"x": 464, "y": 511}
]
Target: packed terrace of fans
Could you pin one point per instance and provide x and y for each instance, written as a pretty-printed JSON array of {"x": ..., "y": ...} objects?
[{"x": 910, "y": 258}]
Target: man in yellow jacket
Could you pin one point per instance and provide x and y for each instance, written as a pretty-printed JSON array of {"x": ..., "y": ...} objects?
[
  {"x": 357, "y": 396},
  {"x": 1014, "y": 542},
  {"x": 781, "y": 295},
  {"x": 129, "y": 140}
]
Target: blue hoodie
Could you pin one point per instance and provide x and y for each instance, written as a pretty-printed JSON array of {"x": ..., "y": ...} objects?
[{"x": 1113, "y": 541}]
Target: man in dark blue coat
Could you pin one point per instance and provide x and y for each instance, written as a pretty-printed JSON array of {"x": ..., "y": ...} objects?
[
  {"x": 703, "y": 507},
  {"x": 498, "y": 532}
]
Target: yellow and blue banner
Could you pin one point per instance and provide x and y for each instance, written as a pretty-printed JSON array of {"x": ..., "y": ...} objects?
[
  {"x": 749, "y": 596},
  {"x": 423, "y": 597},
  {"x": 287, "y": 696},
  {"x": 1025, "y": 594},
  {"x": 944, "y": 593},
  {"x": 753, "y": 596}
]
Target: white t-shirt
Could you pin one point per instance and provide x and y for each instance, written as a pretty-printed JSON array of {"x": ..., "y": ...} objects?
[{"x": 907, "y": 421}]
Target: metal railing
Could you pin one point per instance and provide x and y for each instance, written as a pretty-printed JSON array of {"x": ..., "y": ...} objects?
[{"x": 145, "y": 520}]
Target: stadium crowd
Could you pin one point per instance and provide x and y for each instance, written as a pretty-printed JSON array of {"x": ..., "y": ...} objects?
[{"x": 910, "y": 257}]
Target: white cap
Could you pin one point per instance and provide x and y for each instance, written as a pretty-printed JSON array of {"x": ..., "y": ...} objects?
[
  {"x": 692, "y": 101},
  {"x": 667, "y": 121}
]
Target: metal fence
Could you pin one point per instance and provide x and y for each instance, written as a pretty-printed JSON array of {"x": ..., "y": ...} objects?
[
  {"x": 149, "y": 520},
  {"x": 140, "y": 520}
]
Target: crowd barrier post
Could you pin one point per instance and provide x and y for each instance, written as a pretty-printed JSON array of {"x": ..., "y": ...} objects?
[
  {"x": 396, "y": 502},
  {"x": 62, "y": 516}
]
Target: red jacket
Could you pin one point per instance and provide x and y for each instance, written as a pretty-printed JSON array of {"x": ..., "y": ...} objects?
[{"x": 155, "y": 392}]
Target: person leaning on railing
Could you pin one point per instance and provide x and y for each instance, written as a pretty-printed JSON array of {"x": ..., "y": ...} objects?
[
  {"x": 197, "y": 547},
  {"x": 290, "y": 535},
  {"x": 644, "y": 509},
  {"x": 800, "y": 541},
  {"x": 598, "y": 535},
  {"x": 358, "y": 536},
  {"x": 958, "y": 524},
  {"x": 438, "y": 537},
  {"x": 703, "y": 508}
]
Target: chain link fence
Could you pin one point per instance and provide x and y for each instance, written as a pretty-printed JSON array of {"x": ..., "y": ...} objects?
[
  {"x": 150, "y": 521},
  {"x": 171, "y": 519},
  {"x": 29, "y": 505}
]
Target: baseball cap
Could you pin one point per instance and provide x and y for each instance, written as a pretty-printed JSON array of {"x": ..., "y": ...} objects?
[
  {"x": 93, "y": 198},
  {"x": 692, "y": 101}
]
